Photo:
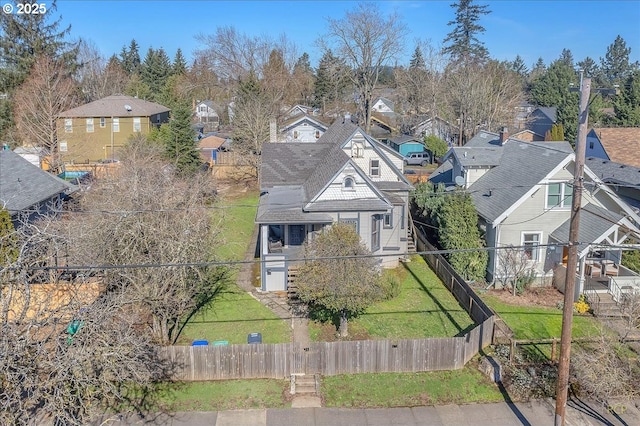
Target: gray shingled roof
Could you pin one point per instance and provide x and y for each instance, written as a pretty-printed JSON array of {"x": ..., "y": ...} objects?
[
  {"x": 612, "y": 172},
  {"x": 284, "y": 205},
  {"x": 551, "y": 112},
  {"x": 114, "y": 106},
  {"x": 522, "y": 166},
  {"x": 478, "y": 156},
  {"x": 23, "y": 185},
  {"x": 338, "y": 132},
  {"x": 289, "y": 163},
  {"x": 594, "y": 222},
  {"x": 402, "y": 139},
  {"x": 334, "y": 161}
]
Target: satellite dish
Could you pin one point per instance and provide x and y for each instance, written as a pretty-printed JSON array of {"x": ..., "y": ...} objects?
[
  {"x": 127, "y": 107},
  {"x": 459, "y": 180}
]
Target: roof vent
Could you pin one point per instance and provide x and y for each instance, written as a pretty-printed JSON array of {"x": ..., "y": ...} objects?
[{"x": 128, "y": 107}]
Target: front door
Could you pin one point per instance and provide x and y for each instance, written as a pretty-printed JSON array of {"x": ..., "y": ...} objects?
[{"x": 296, "y": 235}]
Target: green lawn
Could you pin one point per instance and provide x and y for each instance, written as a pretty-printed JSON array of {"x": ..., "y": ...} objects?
[
  {"x": 424, "y": 308},
  {"x": 235, "y": 313},
  {"x": 467, "y": 385},
  {"x": 237, "y": 225},
  {"x": 228, "y": 395},
  {"x": 534, "y": 322}
]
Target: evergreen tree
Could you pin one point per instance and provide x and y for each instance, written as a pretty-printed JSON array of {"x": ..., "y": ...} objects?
[
  {"x": 155, "y": 69},
  {"x": 551, "y": 89},
  {"x": 627, "y": 104},
  {"x": 179, "y": 66},
  {"x": 589, "y": 67},
  {"x": 566, "y": 57},
  {"x": 303, "y": 78},
  {"x": 519, "y": 66},
  {"x": 556, "y": 133},
  {"x": 462, "y": 42},
  {"x": 458, "y": 229},
  {"x": 27, "y": 36},
  {"x": 303, "y": 64},
  {"x": 24, "y": 38},
  {"x": 331, "y": 83},
  {"x": 417, "y": 60},
  {"x": 9, "y": 249},
  {"x": 130, "y": 58},
  {"x": 179, "y": 141},
  {"x": 615, "y": 64},
  {"x": 539, "y": 68}
]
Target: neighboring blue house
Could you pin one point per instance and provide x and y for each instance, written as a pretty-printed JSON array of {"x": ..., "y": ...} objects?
[{"x": 405, "y": 144}]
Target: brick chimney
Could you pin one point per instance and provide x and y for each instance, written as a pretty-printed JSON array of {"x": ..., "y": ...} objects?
[{"x": 504, "y": 135}]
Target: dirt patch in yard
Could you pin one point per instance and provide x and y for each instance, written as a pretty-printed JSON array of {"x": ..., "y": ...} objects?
[{"x": 540, "y": 296}]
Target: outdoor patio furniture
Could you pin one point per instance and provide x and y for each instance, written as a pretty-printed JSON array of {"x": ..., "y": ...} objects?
[
  {"x": 593, "y": 270},
  {"x": 609, "y": 268}
]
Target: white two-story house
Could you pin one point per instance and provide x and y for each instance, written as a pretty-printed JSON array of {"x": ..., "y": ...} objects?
[{"x": 346, "y": 176}]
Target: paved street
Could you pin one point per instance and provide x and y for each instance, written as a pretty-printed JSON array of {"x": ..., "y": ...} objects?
[{"x": 532, "y": 413}]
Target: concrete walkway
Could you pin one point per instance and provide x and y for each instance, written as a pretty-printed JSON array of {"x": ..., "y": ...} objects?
[{"x": 534, "y": 413}]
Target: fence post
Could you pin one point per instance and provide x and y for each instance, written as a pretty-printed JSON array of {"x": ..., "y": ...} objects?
[{"x": 512, "y": 350}]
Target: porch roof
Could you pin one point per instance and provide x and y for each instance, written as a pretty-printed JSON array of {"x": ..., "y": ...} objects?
[
  {"x": 348, "y": 205},
  {"x": 284, "y": 205},
  {"x": 595, "y": 225}
]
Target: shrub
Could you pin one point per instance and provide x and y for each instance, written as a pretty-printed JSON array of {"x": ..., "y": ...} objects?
[{"x": 581, "y": 306}]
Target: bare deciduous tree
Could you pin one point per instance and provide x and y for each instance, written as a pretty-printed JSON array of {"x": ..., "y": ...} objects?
[
  {"x": 98, "y": 78},
  {"x": 420, "y": 86},
  {"x": 482, "y": 96},
  {"x": 47, "y": 92},
  {"x": 601, "y": 373},
  {"x": 513, "y": 266},
  {"x": 366, "y": 41},
  {"x": 147, "y": 215},
  {"x": 68, "y": 352}
]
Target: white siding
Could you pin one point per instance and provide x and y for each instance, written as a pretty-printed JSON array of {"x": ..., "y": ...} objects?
[
  {"x": 336, "y": 190},
  {"x": 369, "y": 153}
]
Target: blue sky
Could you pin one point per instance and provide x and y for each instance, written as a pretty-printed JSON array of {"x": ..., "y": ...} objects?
[{"x": 532, "y": 29}]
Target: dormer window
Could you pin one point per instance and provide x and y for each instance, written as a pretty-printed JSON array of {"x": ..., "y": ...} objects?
[{"x": 349, "y": 183}]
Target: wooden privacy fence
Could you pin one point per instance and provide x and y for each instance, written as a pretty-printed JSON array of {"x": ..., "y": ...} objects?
[
  {"x": 327, "y": 358},
  {"x": 331, "y": 358},
  {"x": 468, "y": 299}
]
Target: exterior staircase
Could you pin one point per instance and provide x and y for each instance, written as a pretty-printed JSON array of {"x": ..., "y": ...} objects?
[
  {"x": 304, "y": 384},
  {"x": 603, "y": 305}
]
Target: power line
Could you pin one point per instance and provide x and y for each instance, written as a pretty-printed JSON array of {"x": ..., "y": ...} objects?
[{"x": 293, "y": 259}]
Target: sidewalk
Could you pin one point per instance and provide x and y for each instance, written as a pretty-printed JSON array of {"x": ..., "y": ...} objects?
[{"x": 497, "y": 414}]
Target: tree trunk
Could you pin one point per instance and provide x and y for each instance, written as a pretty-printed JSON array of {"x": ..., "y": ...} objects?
[{"x": 343, "y": 330}]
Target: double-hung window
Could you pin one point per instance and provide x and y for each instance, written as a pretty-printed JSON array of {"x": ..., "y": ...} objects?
[
  {"x": 90, "y": 125},
  {"x": 374, "y": 168},
  {"x": 559, "y": 195},
  {"x": 530, "y": 244},
  {"x": 115, "y": 124},
  {"x": 136, "y": 124},
  {"x": 68, "y": 125}
]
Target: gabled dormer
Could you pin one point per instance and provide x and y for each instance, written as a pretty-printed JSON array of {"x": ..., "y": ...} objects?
[
  {"x": 470, "y": 164},
  {"x": 370, "y": 158},
  {"x": 349, "y": 187}
]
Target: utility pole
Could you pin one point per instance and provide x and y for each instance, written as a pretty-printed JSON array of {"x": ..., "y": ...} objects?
[{"x": 572, "y": 258}]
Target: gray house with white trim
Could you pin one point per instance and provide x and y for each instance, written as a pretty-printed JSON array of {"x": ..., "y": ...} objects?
[
  {"x": 523, "y": 193},
  {"x": 346, "y": 176}
]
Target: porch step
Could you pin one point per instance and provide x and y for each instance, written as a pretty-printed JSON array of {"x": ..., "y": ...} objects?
[
  {"x": 304, "y": 384},
  {"x": 606, "y": 307}
]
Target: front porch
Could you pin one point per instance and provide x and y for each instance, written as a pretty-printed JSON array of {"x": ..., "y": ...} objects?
[{"x": 607, "y": 293}]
